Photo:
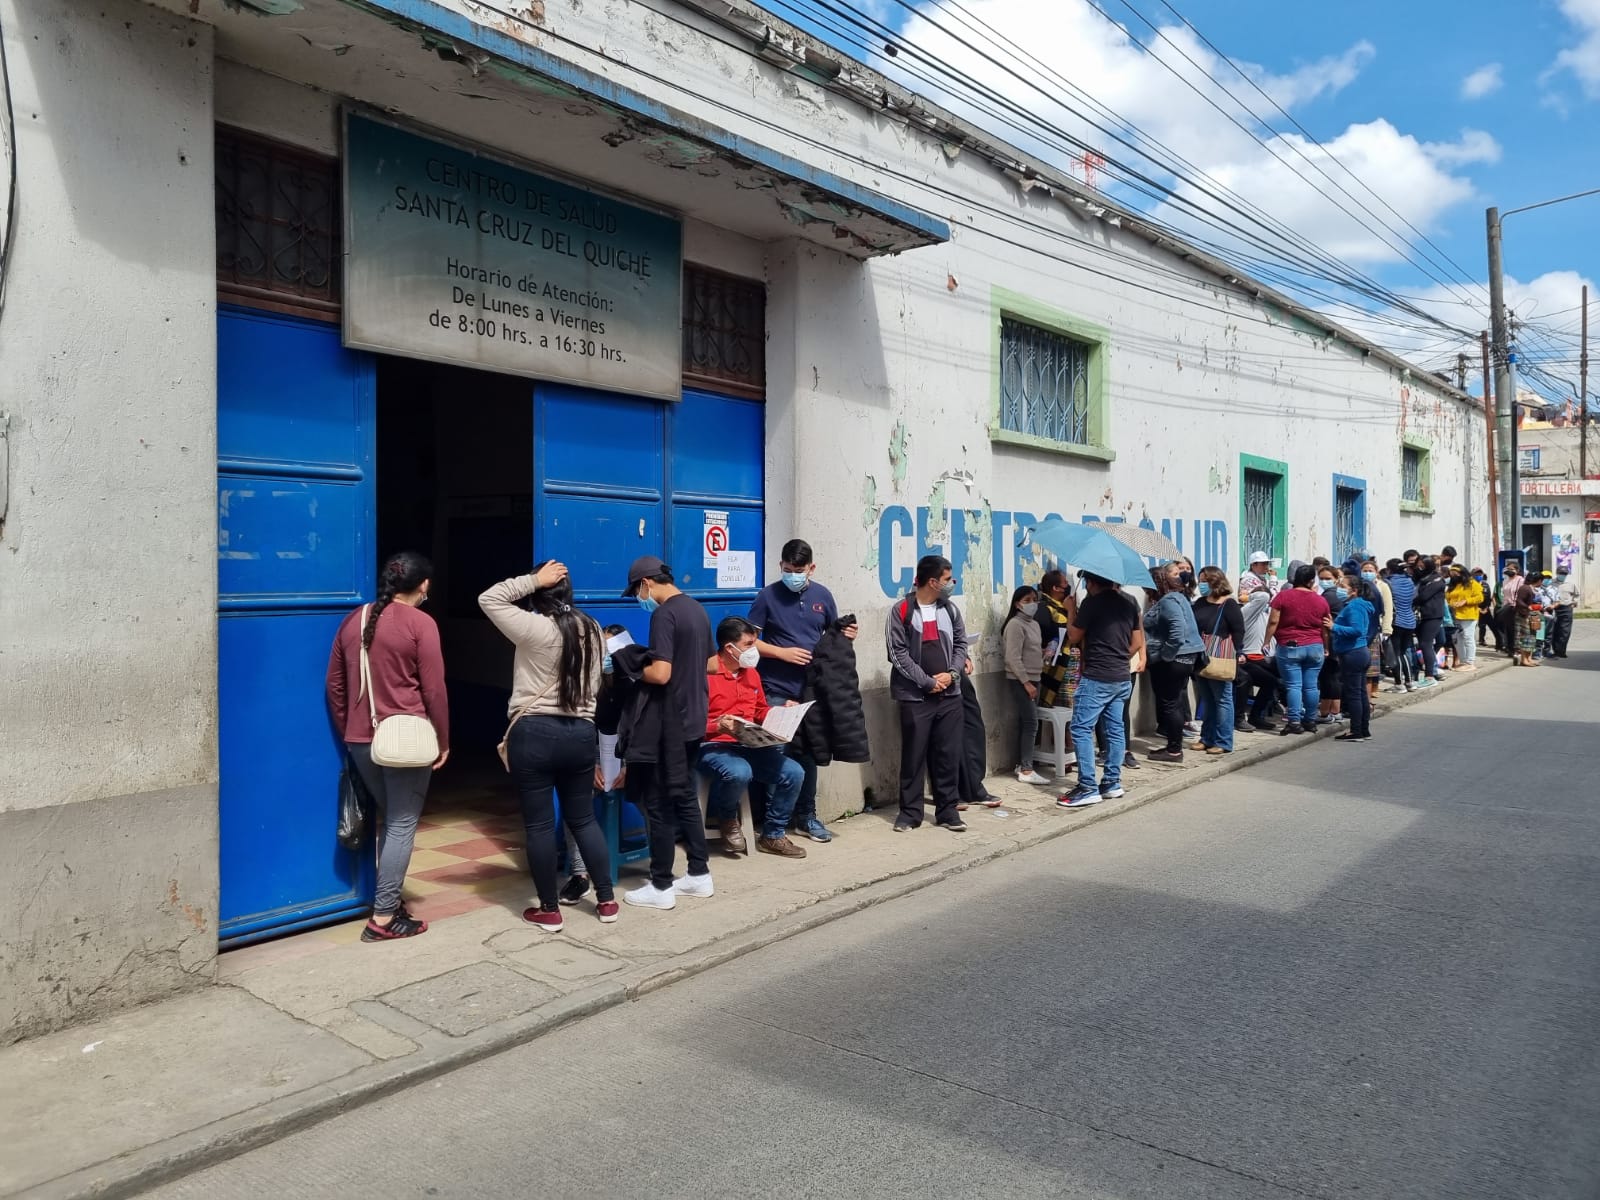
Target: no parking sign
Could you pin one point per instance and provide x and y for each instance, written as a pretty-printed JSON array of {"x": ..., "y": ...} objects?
[{"x": 715, "y": 539}]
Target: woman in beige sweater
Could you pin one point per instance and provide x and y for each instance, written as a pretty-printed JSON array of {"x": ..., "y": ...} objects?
[
  {"x": 552, "y": 746},
  {"x": 1024, "y": 651}
]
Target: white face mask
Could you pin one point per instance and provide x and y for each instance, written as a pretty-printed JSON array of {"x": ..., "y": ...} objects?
[{"x": 749, "y": 657}]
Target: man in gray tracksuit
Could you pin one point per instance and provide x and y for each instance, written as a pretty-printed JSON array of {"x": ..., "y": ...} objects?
[{"x": 927, "y": 641}]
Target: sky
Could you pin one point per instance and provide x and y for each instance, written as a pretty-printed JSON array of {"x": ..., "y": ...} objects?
[{"x": 1413, "y": 117}]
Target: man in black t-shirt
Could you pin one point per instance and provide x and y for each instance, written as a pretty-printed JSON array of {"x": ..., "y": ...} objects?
[
  {"x": 675, "y": 682},
  {"x": 1109, "y": 635}
]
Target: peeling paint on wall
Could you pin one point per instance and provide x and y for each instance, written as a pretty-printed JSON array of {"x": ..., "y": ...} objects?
[
  {"x": 897, "y": 453},
  {"x": 938, "y": 515},
  {"x": 869, "y": 521}
]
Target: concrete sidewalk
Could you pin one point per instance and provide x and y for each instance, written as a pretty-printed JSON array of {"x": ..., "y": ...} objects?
[{"x": 289, "y": 1037}]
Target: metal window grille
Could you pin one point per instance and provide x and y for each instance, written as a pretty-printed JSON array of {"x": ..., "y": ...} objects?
[
  {"x": 278, "y": 242},
  {"x": 724, "y": 332},
  {"x": 1044, "y": 383},
  {"x": 1347, "y": 533},
  {"x": 1411, "y": 474},
  {"x": 1260, "y": 511}
]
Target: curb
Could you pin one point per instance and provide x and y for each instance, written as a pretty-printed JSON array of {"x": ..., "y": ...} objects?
[{"x": 185, "y": 1153}]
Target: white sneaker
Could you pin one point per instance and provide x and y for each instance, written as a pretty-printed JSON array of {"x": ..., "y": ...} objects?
[
  {"x": 1031, "y": 777},
  {"x": 693, "y": 885},
  {"x": 650, "y": 896},
  {"x": 1192, "y": 728}
]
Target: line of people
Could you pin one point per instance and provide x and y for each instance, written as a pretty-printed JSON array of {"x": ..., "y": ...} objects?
[{"x": 594, "y": 715}]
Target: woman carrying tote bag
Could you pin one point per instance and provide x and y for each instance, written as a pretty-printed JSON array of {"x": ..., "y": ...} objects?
[
  {"x": 385, "y": 675},
  {"x": 1221, "y": 623}
]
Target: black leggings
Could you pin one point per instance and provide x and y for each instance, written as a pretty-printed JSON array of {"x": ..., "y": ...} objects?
[
  {"x": 556, "y": 756},
  {"x": 1170, "y": 681},
  {"x": 1400, "y": 642},
  {"x": 1427, "y": 641}
]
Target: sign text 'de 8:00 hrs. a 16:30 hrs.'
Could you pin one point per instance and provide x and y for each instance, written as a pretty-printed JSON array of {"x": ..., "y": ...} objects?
[{"x": 457, "y": 257}]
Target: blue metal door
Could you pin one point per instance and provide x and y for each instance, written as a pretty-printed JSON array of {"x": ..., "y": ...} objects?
[
  {"x": 295, "y": 515},
  {"x": 616, "y": 477}
]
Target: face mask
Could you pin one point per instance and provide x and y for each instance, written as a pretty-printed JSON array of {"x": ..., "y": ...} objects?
[
  {"x": 605, "y": 665},
  {"x": 1028, "y": 608},
  {"x": 1204, "y": 589},
  {"x": 1341, "y": 592},
  {"x": 749, "y": 657},
  {"x": 1370, "y": 576},
  {"x": 796, "y": 581},
  {"x": 946, "y": 590},
  {"x": 1561, "y": 578},
  {"x": 648, "y": 603},
  {"x": 1185, "y": 578},
  {"x": 1326, "y": 585}
]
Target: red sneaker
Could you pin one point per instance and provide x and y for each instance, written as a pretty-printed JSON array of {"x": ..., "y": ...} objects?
[
  {"x": 548, "y": 920},
  {"x": 608, "y": 910}
]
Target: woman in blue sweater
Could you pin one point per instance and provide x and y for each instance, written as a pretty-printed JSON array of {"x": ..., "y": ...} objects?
[{"x": 1353, "y": 631}]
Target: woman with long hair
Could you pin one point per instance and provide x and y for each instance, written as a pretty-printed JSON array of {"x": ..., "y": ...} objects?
[
  {"x": 552, "y": 745},
  {"x": 406, "y": 667},
  {"x": 1173, "y": 642},
  {"x": 1057, "y": 607},
  {"x": 1217, "y": 615},
  {"x": 1024, "y": 657},
  {"x": 1353, "y": 633}
]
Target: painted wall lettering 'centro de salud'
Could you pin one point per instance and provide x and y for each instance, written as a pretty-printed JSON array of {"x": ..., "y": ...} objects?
[
  {"x": 965, "y": 535},
  {"x": 457, "y": 257}
]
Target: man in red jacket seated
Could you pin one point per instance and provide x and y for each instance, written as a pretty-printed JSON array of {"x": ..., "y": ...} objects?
[{"x": 735, "y": 690}]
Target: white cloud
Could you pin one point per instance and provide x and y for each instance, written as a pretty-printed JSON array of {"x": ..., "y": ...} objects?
[
  {"x": 1485, "y": 81},
  {"x": 1173, "y": 95},
  {"x": 1582, "y": 60}
]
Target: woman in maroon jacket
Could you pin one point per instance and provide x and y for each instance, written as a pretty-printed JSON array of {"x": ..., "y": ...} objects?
[{"x": 407, "y": 671}]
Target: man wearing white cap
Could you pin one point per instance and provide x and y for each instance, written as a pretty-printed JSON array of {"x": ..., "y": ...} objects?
[{"x": 1256, "y": 590}]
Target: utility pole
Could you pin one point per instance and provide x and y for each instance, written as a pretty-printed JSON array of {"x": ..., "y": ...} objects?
[
  {"x": 1505, "y": 390},
  {"x": 1583, "y": 392},
  {"x": 1488, "y": 429}
]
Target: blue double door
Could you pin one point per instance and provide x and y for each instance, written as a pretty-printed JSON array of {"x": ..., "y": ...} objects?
[{"x": 297, "y": 541}]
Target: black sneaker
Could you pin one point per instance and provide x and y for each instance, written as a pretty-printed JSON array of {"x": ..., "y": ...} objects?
[
  {"x": 1130, "y": 763},
  {"x": 1241, "y": 726},
  {"x": 576, "y": 889},
  {"x": 1080, "y": 797},
  {"x": 1291, "y": 727},
  {"x": 956, "y": 826},
  {"x": 1171, "y": 756},
  {"x": 1264, "y": 724},
  {"x": 903, "y": 826}
]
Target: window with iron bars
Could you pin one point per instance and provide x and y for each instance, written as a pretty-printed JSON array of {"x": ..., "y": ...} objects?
[
  {"x": 1347, "y": 532},
  {"x": 724, "y": 333},
  {"x": 277, "y": 211},
  {"x": 1044, "y": 383},
  {"x": 1260, "y": 511},
  {"x": 1411, "y": 475}
]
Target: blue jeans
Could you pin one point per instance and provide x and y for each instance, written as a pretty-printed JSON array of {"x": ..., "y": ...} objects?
[
  {"x": 731, "y": 767},
  {"x": 1093, "y": 698},
  {"x": 1299, "y": 667},
  {"x": 1216, "y": 702}
]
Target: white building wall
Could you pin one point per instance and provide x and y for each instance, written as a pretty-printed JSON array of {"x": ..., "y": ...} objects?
[{"x": 108, "y": 848}]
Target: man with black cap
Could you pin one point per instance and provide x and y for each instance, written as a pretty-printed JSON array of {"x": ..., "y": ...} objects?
[{"x": 675, "y": 705}]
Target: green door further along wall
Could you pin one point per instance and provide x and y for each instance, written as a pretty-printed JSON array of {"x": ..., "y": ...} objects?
[{"x": 1263, "y": 508}]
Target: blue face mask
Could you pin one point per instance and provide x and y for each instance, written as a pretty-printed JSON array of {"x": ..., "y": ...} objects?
[
  {"x": 796, "y": 581},
  {"x": 1203, "y": 588},
  {"x": 1326, "y": 585},
  {"x": 648, "y": 603},
  {"x": 1341, "y": 592},
  {"x": 1370, "y": 576},
  {"x": 605, "y": 665}
]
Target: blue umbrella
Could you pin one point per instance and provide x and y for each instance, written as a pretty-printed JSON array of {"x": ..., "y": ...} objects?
[{"x": 1090, "y": 548}]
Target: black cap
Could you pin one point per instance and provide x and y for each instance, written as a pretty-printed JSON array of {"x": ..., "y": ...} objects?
[{"x": 646, "y": 566}]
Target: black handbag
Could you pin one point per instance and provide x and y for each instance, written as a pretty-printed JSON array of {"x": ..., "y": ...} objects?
[{"x": 354, "y": 804}]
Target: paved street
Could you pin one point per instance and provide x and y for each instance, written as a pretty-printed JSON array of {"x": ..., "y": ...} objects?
[{"x": 1350, "y": 971}]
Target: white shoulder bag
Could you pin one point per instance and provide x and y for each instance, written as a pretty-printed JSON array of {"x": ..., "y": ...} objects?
[{"x": 398, "y": 740}]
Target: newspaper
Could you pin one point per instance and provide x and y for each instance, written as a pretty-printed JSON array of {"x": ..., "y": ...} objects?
[{"x": 779, "y": 728}]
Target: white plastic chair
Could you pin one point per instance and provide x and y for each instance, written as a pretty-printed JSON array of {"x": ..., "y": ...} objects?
[{"x": 1058, "y": 721}]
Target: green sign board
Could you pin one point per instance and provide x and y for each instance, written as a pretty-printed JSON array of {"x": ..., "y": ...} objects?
[{"x": 457, "y": 257}]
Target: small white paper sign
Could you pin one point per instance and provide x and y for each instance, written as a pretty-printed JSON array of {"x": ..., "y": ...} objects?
[{"x": 736, "y": 569}]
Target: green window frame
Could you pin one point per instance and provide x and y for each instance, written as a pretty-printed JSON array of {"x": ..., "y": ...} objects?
[
  {"x": 1420, "y": 499},
  {"x": 1013, "y": 317},
  {"x": 1279, "y": 473}
]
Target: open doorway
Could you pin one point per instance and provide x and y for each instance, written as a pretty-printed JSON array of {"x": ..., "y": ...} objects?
[
  {"x": 1537, "y": 540},
  {"x": 455, "y": 482}
]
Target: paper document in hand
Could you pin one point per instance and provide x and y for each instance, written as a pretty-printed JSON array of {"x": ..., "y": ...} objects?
[{"x": 779, "y": 727}]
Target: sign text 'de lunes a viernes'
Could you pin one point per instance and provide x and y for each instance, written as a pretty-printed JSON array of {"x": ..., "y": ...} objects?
[{"x": 460, "y": 258}]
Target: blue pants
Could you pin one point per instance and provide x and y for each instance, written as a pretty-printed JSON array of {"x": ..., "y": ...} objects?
[
  {"x": 1093, "y": 698},
  {"x": 1357, "y": 703},
  {"x": 1216, "y": 701},
  {"x": 731, "y": 767},
  {"x": 1299, "y": 667}
]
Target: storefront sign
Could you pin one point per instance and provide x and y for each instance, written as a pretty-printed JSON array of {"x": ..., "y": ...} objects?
[
  {"x": 1561, "y": 487},
  {"x": 457, "y": 257}
]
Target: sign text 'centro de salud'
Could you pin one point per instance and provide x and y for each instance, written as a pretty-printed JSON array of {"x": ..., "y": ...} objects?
[{"x": 460, "y": 258}]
